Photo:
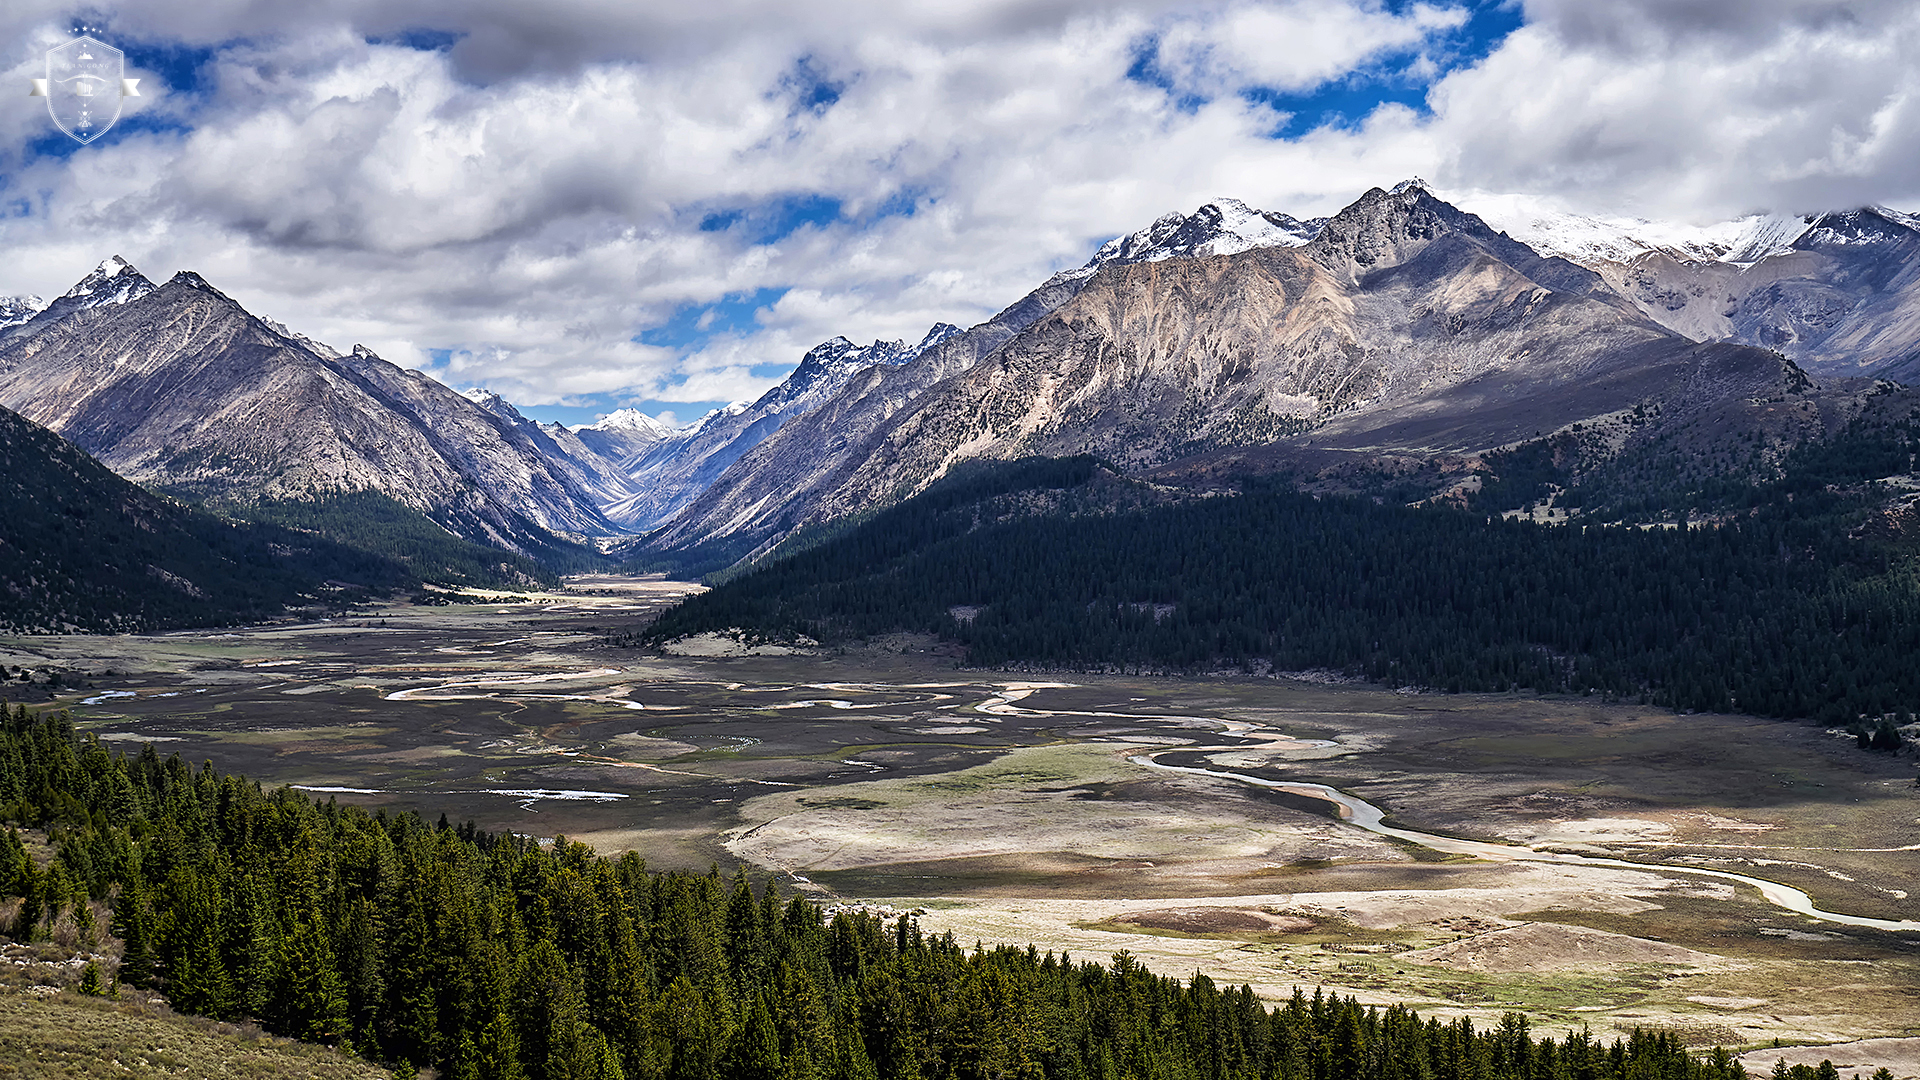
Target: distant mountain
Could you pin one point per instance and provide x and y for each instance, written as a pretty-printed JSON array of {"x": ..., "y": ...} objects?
[
  {"x": 182, "y": 389},
  {"x": 83, "y": 550},
  {"x": 603, "y": 480},
  {"x": 15, "y": 310},
  {"x": 673, "y": 470},
  {"x": 112, "y": 283},
  {"x": 623, "y": 435},
  {"x": 1837, "y": 292},
  {"x": 1403, "y": 326}
]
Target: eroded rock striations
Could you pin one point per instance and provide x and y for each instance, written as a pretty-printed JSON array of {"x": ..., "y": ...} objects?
[
  {"x": 1838, "y": 293},
  {"x": 180, "y": 388},
  {"x": 1403, "y": 325}
]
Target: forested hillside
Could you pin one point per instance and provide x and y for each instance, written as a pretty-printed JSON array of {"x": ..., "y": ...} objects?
[
  {"x": 498, "y": 957},
  {"x": 1801, "y": 600},
  {"x": 83, "y": 549},
  {"x": 372, "y": 522}
]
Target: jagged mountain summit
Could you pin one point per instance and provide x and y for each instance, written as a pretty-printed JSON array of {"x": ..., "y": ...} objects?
[
  {"x": 672, "y": 471},
  {"x": 633, "y": 421},
  {"x": 601, "y": 478},
  {"x": 179, "y": 387},
  {"x": 817, "y": 442},
  {"x": 1221, "y": 227},
  {"x": 112, "y": 283},
  {"x": 1403, "y": 326}
]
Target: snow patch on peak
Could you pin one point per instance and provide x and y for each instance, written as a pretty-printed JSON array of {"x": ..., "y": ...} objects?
[
  {"x": 1221, "y": 227},
  {"x": 1854, "y": 228},
  {"x": 1587, "y": 239},
  {"x": 114, "y": 281},
  {"x": 940, "y": 332},
  {"x": 493, "y": 403},
  {"x": 1763, "y": 235},
  {"x": 1411, "y": 183},
  {"x": 631, "y": 422},
  {"x": 15, "y": 310}
]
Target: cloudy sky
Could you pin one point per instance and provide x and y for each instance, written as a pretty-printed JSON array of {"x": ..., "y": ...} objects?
[{"x": 586, "y": 204}]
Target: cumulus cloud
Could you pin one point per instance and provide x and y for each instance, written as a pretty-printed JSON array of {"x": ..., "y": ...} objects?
[
  {"x": 523, "y": 196},
  {"x": 1696, "y": 110}
]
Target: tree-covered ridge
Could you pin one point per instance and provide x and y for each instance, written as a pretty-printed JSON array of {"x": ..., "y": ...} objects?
[
  {"x": 496, "y": 957},
  {"x": 373, "y": 522},
  {"x": 83, "y": 549},
  {"x": 1777, "y": 610}
]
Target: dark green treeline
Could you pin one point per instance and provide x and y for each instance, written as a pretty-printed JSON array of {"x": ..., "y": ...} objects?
[
  {"x": 495, "y": 957},
  {"x": 1778, "y": 611}
]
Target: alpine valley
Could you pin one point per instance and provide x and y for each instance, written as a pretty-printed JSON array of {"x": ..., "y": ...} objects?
[
  {"x": 1449, "y": 604},
  {"x": 1403, "y": 349}
]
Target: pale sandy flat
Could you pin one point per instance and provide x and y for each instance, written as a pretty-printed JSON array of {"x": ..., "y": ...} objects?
[
  {"x": 1538, "y": 947},
  {"x": 1898, "y": 1056}
]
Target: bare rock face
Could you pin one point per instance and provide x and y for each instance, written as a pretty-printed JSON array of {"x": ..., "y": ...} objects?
[
  {"x": 180, "y": 388},
  {"x": 1837, "y": 293},
  {"x": 672, "y": 471},
  {"x": 1403, "y": 326}
]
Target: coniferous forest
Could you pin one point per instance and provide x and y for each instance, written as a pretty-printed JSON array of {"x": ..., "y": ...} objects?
[
  {"x": 497, "y": 957},
  {"x": 1786, "y": 603}
]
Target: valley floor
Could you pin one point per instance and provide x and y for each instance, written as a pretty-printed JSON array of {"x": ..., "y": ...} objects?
[{"x": 1022, "y": 809}]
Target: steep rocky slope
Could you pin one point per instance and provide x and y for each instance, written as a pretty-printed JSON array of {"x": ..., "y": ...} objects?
[
  {"x": 181, "y": 389},
  {"x": 770, "y": 487},
  {"x": 1837, "y": 292},
  {"x": 1404, "y": 325},
  {"x": 672, "y": 471}
]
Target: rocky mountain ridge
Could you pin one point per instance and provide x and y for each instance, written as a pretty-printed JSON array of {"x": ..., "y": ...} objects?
[
  {"x": 180, "y": 388},
  {"x": 1837, "y": 292},
  {"x": 672, "y": 471},
  {"x": 1403, "y": 326}
]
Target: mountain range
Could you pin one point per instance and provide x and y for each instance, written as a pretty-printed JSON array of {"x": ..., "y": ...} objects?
[
  {"x": 1401, "y": 335},
  {"x": 1403, "y": 340},
  {"x": 179, "y": 388}
]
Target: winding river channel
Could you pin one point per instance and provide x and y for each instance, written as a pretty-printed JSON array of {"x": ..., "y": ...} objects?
[{"x": 1365, "y": 815}]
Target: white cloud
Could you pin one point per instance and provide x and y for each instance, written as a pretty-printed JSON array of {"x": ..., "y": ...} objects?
[
  {"x": 1696, "y": 110},
  {"x": 531, "y": 199}
]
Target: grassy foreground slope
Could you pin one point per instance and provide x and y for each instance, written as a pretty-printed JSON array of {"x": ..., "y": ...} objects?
[{"x": 85, "y": 1038}]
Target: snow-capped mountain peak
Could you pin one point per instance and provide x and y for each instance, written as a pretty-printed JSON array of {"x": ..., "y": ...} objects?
[
  {"x": 1593, "y": 239},
  {"x": 939, "y": 333},
  {"x": 631, "y": 422},
  {"x": 493, "y": 403},
  {"x": 1868, "y": 225},
  {"x": 15, "y": 310},
  {"x": 1221, "y": 227},
  {"x": 114, "y": 281},
  {"x": 1586, "y": 238}
]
